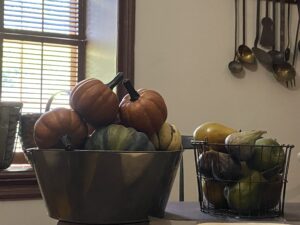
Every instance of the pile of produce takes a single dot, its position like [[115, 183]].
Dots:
[[240, 170], [97, 120]]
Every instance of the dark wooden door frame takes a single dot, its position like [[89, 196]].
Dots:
[[126, 40]]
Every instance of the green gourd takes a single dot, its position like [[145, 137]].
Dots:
[[118, 137], [245, 196]]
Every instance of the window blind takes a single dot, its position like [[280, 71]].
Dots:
[[40, 46], [52, 16], [33, 71]]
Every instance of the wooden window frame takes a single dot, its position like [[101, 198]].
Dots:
[[23, 184]]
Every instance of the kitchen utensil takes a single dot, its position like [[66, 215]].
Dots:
[[297, 33], [275, 54], [287, 51], [235, 66], [267, 39], [284, 72], [261, 55], [296, 41], [245, 54]]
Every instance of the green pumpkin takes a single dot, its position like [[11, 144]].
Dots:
[[118, 137]]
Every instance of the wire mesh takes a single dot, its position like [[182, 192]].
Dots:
[[246, 181]]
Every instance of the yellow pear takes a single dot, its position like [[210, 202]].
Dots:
[[213, 132]]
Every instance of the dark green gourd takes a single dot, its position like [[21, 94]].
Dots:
[[118, 137]]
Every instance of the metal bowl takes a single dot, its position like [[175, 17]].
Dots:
[[104, 187]]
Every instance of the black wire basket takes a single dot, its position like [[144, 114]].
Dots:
[[245, 181]]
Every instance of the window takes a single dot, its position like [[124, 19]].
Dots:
[[41, 42], [42, 50]]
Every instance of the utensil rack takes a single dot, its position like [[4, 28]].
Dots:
[[289, 1]]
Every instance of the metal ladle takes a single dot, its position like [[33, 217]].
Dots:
[[245, 54], [287, 51], [261, 55], [297, 33], [235, 66], [276, 55], [284, 72]]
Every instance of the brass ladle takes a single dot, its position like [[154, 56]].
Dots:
[[284, 72], [245, 54]]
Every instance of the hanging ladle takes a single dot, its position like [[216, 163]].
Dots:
[[287, 51], [284, 72], [293, 81], [245, 54], [276, 55], [297, 33], [267, 38], [235, 66], [261, 55]]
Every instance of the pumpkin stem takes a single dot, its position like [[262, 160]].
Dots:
[[118, 78], [131, 91], [66, 142]]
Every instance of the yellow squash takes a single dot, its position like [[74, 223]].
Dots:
[[167, 138]]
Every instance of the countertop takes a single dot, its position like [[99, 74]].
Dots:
[[190, 211]]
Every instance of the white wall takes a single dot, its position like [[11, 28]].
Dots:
[[182, 51]]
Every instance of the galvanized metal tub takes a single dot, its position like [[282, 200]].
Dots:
[[104, 187]]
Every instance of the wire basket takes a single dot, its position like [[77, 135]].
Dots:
[[231, 184], [9, 118]]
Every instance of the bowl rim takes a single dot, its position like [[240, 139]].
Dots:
[[29, 150]]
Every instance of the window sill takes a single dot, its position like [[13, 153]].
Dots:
[[18, 182]]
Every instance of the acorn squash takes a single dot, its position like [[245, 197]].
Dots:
[[168, 138], [118, 137]]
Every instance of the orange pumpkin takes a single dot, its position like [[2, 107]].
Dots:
[[59, 122], [95, 101], [145, 110]]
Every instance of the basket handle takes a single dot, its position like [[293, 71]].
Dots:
[[48, 105]]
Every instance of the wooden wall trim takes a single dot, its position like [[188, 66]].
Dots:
[[19, 182], [126, 40]]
